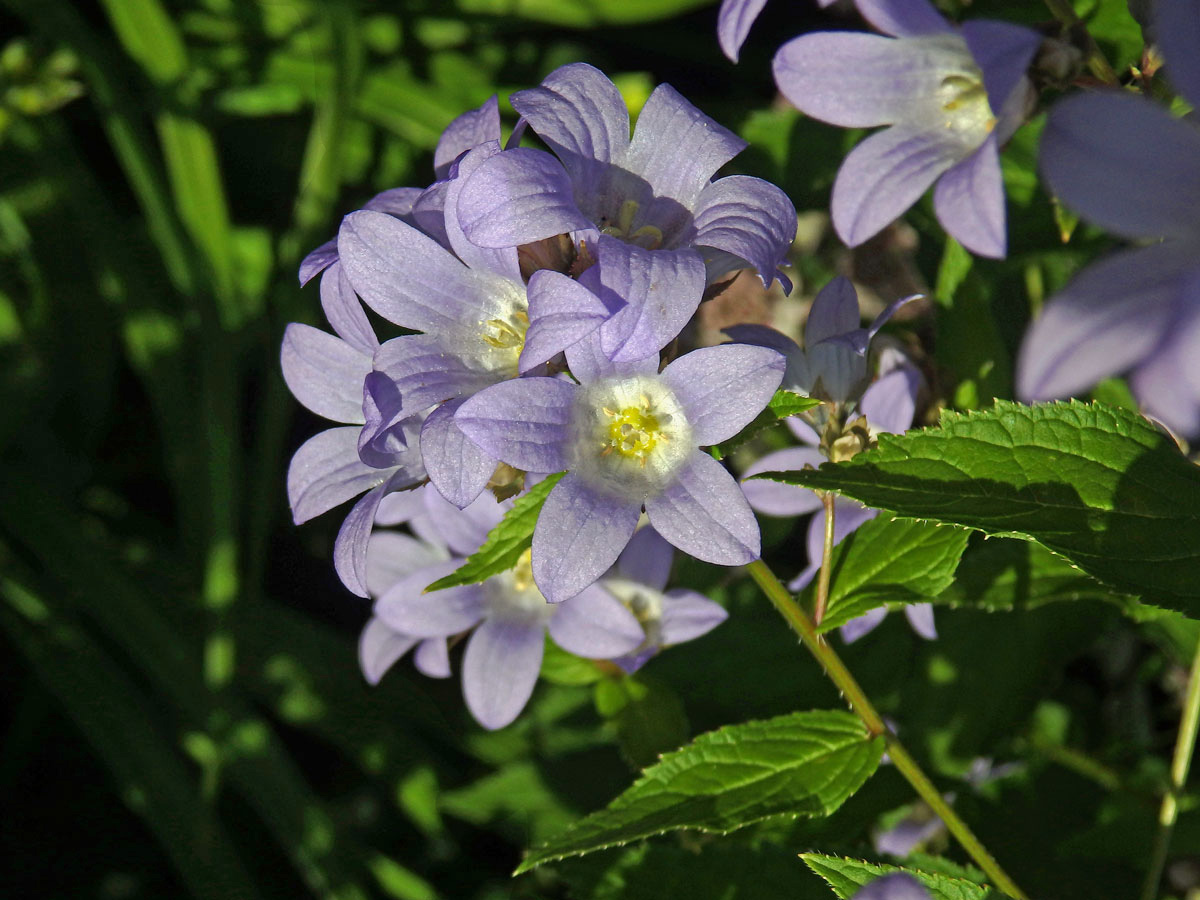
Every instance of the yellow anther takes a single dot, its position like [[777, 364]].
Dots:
[[633, 432]]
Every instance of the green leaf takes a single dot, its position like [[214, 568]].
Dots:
[[782, 405], [146, 31], [1097, 484], [890, 560], [847, 876], [804, 763], [581, 13], [650, 723], [505, 543]]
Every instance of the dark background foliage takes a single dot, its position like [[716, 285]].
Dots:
[[183, 713]]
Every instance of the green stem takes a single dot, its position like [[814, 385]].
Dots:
[[1096, 59], [857, 699], [1185, 744], [827, 553]]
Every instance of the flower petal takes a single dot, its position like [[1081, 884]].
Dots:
[[522, 422], [859, 80], [344, 310], [595, 625], [588, 362], [578, 535], [890, 403], [1167, 384], [733, 24], [904, 17], [392, 556], [723, 388], [1123, 163], [897, 885], [317, 261], [704, 513], [501, 261], [862, 625], [500, 668], [969, 202], [883, 176], [774, 498], [424, 372], [350, 547], [456, 466], [797, 376], [561, 313], [1003, 52], [1177, 30], [407, 608], [518, 197], [469, 130], [688, 615], [326, 472], [398, 202], [920, 617], [432, 658], [463, 530], [676, 148], [408, 278], [646, 559], [581, 116], [324, 372], [661, 290], [834, 312], [378, 649], [750, 218], [1107, 319]]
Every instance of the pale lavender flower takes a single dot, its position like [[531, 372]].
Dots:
[[628, 437], [639, 581], [888, 406], [734, 20], [832, 365], [654, 190], [950, 96], [372, 453], [507, 618], [896, 886], [1124, 163]]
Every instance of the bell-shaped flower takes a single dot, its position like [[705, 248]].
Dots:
[[371, 452], [668, 617], [832, 365], [1124, 163], [628, 437], [888, 406], [507, 618], [950, 97], [654, 190]]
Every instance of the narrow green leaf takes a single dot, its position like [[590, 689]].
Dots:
[[505, 543], [899, 560], [782, 405], [1097, 484], [847, 876], [191, 157], [581, 13], [149, 36], [804, 763]]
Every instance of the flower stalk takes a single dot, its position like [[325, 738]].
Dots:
[[1185, 745], [858, 701]]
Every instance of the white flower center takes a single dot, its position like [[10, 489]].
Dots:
[[648, 236], [498, 338], [512, 595], [644, 602], [629, 436], [955, 99]]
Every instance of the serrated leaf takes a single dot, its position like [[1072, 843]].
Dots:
[[782, 405], [847, 876], [886, 559], [805, 763], [505, 543], [1097, 484]]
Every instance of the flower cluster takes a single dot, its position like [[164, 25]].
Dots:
[[534, 294]]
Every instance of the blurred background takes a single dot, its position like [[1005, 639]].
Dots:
[[183, 713]]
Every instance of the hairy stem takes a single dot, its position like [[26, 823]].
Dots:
[[800, 622], [826, 555], [1185, 744]]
